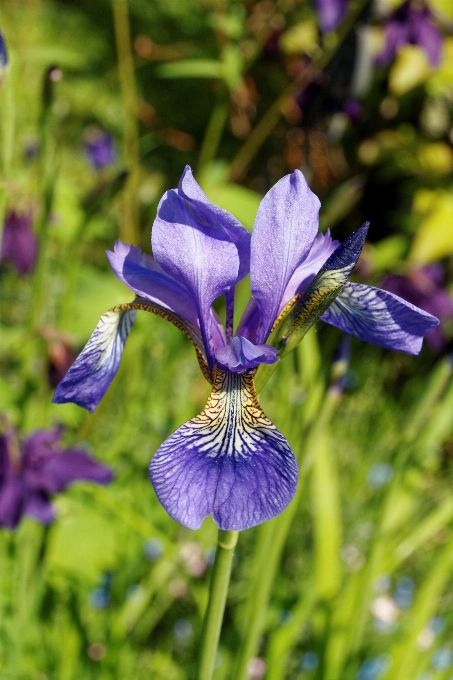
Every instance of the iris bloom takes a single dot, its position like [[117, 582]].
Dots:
[[3, 59], [100, 148], [330, 13], [19, 242], [411, 24], [230, 460], [422, 286], [36, 467]]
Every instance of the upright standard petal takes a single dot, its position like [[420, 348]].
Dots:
[[323, 247], [230, 461], [201, 257], [285, 227], [211, 215], [90, 375], [142, 274], [380, 317]]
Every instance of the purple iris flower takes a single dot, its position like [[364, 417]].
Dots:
[[19, 242], [100, 148], [411, 24], [36, 467], [330, 13], [230, 460], [423, 287]]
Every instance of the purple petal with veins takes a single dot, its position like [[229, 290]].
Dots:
[[322, 248], [283, 234], [208, 214], [230, 461], [199, 256], [380, 317], [142, 274], [90, 375]]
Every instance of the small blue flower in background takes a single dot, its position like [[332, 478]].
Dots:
[[100, 147], [230, 460], [183, 630], [19, 243], [154, 549], [374, 668], [379, 474], [34, 468], [442, 659], [309, 661], [404, 592], [412, 23]]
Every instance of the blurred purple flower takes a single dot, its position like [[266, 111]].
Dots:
[[3, 59], [19, 242], [36, 467], [330, 13], [100, 148], [422, 287], [411, 24]]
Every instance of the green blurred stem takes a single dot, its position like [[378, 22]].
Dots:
[[214, 130], [270, 119], [271, 543], [48, 173], [70, 272], [129, 228], [7, 127], [216, 606]]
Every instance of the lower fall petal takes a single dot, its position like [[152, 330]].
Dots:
[[229, 461]]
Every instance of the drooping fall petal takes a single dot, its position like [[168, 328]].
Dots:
[[380, 317], [230, 461]]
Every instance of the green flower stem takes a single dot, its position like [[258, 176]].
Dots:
[[216, 125], [271, 544], [48, 170], [261, 132], [216, 606], [129, 228]]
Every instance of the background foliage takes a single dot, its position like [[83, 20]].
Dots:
[[358, 569]]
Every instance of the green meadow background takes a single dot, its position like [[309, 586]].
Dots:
[[354, 580]]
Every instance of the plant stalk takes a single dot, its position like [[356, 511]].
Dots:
[[129, 228], [216, 606]]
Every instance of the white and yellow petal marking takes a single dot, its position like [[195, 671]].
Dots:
[[90, 375], [229, 461], [189, 330], [94, 369]]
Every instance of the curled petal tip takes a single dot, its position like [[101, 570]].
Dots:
[[349, 251], [242, 355]]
